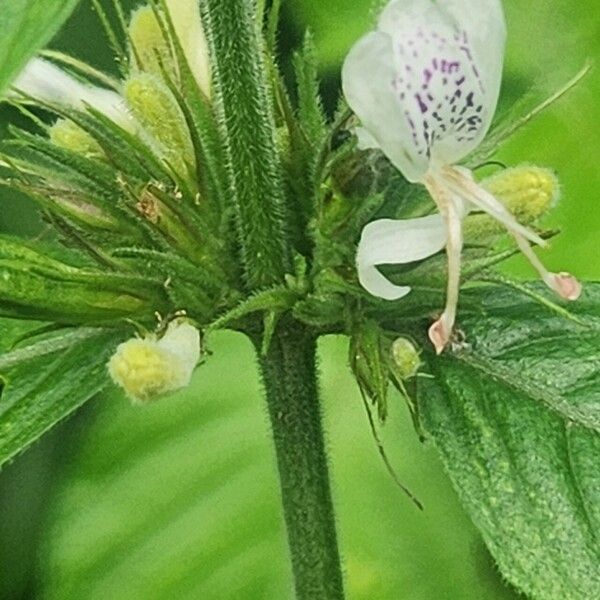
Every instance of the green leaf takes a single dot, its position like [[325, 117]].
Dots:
[[26, 26], [515, 417], [310, 108], [49, 379]]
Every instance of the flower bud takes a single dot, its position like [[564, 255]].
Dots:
[[68, 135], [86, 213], [157, 110], [188, 25], [405, 357], [154, 366], [150, 50], [527, 191], [153, 52]]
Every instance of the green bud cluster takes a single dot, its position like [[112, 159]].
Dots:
[[126, 194]]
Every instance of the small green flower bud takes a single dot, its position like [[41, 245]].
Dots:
[[406, 358], [68, 135], [157, 110], [152, 367], [528, 192], [86, 213]]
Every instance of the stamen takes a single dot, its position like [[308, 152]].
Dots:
[[451, 208], [459, 180], [564, 284]]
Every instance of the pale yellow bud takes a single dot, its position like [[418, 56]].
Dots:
[[152, 367], [406, 358], [152, 52], [68, 135], [528, 192], [188, 25]]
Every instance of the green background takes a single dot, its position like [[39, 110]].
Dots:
[[179, 499]]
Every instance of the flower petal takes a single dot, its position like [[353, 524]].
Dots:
[[365, 141], [44, 81], [442, 66], [367, 78], [390, 241], [182, 340]]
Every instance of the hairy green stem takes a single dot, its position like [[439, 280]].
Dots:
[[290, 379], [246, 117]]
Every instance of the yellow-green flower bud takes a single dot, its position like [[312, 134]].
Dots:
[[149, 49], [188, 25], [152, 367], [405, 357], [156, 109], [528, 192], [68, 135]]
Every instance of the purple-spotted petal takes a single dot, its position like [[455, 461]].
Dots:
[[367, 78], [44, 81], [395, 242], [443, 64]]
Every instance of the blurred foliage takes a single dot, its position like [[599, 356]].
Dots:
[[180, 499]]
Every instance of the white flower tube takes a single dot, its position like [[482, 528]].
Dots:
[[44, 81], [425, 86]]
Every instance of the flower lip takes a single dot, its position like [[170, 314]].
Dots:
[[389, 241]]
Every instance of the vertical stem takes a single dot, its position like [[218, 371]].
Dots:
[[243, 105], [290, 379]]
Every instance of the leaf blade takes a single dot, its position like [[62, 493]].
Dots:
[[526, 472], [39, 390]]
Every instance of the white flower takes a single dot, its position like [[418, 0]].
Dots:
[[152, 367], [425, 86]]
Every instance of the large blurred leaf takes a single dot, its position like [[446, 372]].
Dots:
[[26, 26], [515, 417], [179, 500], [47, 380]]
